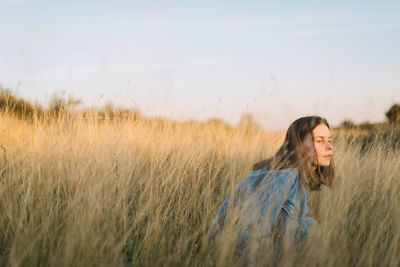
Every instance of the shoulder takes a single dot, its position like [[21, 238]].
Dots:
[[287, 176]]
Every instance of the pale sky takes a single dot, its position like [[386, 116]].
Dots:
[[279, 60]]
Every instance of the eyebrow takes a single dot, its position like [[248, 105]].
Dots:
[[322, 136]]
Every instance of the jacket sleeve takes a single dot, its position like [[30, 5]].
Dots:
[[263, 197], [291, 221], [276, 195], [219, 219], [247, 184]]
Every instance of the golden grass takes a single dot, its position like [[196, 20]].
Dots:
[[81, 192]]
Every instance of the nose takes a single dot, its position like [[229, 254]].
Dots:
[[329, 146]]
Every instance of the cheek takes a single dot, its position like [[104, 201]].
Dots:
[[318, 149]]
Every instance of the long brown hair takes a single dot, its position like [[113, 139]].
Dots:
[[292, 155]]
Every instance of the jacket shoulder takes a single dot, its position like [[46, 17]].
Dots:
[[285, 176], [267, 180]]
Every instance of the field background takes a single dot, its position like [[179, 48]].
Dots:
[[142, 192]]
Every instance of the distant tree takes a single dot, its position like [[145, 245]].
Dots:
[[247, 122], [348, 124], [367, 126], [62, 105], [111, 112], [393, 115], [90, 112], [217, 122], [16, 106]]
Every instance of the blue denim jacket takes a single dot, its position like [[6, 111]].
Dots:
[[268, 199]]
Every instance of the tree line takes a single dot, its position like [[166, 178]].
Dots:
[[392, 117], [59, 106], [68, 106]]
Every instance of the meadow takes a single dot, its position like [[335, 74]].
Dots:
[[142, 192]]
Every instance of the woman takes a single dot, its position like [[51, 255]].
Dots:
[[271, 202]]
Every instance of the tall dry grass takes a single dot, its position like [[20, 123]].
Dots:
[[84, 192]]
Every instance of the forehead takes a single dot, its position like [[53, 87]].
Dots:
[[321, 130]]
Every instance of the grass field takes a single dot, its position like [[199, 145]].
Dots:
[[84, 192]]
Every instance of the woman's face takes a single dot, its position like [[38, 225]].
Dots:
[[319, 149]]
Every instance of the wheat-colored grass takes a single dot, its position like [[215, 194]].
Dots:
[[85, 192]]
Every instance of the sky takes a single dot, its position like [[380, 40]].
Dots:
[[278, 60]]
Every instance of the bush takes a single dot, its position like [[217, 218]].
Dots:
[[18, 107], [367, 126], [388, 140], [393, 115], [348, 125]]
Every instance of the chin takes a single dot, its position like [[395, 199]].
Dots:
[[324, 164]]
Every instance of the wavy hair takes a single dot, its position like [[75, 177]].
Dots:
[[292, 155]]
